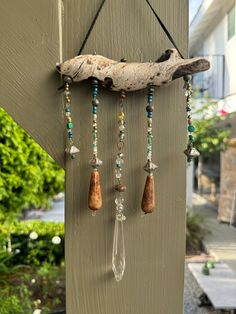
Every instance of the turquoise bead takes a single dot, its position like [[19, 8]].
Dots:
[[67, 109], [191, 128], [69, 125]]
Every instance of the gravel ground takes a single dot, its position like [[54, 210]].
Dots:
[[191, 295]]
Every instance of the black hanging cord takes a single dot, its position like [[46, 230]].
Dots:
[[91, 28], [165, 29], [154, 12]]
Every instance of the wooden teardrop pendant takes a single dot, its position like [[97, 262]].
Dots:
[[148, 201], [95, 193]]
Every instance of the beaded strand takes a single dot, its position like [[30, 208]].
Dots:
[[118, 250], [71, 149], [148, 200], [120, 188], [191, 152], [95, 194]]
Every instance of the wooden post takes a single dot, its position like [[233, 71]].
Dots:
[[31, 44]]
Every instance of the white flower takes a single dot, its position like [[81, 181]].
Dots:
[[37, 311], [56, 240], [33, 236], [33, 280]]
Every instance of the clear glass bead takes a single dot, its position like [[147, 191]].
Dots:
[[67, 93], [120, 208], [119, 200], [118, 252], [119, 161], [121, 127], [187, 93], [118, 173]]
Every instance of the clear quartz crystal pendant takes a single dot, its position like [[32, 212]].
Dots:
[[118, 252]]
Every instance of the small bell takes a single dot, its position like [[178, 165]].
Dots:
[[191, 152]]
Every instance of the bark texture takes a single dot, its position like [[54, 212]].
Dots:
[[133, 76]]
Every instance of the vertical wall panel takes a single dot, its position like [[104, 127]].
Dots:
[[153, 280], [29, 32]]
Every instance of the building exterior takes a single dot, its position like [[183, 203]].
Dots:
[[213, 34]]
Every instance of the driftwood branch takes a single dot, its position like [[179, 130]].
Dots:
[[133, 76]]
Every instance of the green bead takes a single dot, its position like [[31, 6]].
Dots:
[[191, 128], [191, 138], [69, 125], [94, 136]]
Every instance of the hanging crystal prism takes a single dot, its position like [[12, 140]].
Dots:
[[118, 252]]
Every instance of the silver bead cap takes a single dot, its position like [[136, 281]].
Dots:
[[150, 167], [72, 150], [191, 152], [95, 162]]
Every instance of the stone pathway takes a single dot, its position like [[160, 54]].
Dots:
[[191, 295], [220, 241]]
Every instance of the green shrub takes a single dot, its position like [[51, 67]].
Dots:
[[15, 301], [194, 231], [34, 243], [28, 175]]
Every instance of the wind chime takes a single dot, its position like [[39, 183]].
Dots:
[[118, 76]]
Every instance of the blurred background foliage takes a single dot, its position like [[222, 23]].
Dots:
[[211, 132], [31, 252], [28, 175]]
